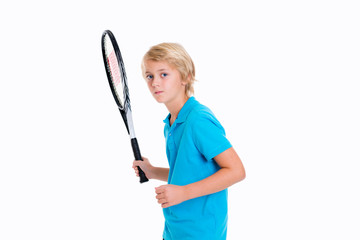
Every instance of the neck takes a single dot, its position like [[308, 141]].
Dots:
[[174, 107]]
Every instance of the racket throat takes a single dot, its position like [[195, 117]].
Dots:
[[130, 124]]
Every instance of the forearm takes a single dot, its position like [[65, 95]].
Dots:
[[159, 173], [231, 171], [219, 181]]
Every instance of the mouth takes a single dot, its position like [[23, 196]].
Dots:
[[158, 92]]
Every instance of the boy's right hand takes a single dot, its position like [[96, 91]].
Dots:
[[144, 165]]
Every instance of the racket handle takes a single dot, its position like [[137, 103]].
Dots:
[[137, 154]]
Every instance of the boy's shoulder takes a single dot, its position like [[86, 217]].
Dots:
[[200, 112]]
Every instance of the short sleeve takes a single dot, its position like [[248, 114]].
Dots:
[[209, 136]]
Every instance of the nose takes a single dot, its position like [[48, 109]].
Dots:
[[155, 82]]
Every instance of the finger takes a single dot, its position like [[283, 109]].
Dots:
[[162, 201], [134, 165], [136, 171], [160, 189], [137, 163], [165, 205], [160, 195]]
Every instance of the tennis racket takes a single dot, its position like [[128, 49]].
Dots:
[[115, 71]]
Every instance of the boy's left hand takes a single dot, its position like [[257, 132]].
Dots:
[[170, 195]]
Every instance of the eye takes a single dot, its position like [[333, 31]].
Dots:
[[149, 77], [164, 74]]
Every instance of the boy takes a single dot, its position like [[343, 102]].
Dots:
[[202, 162]]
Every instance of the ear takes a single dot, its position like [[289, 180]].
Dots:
[[185, 82]]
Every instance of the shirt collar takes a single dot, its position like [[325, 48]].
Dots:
[[184, 112]]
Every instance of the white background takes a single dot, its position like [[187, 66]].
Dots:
[[281, 76]]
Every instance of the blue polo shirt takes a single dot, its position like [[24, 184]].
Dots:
[[192, 142]]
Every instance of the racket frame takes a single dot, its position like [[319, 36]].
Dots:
[[124, 109]]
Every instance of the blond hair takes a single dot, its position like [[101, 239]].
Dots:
[[175, 55]]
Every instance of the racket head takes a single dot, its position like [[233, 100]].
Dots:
[[115, 70]]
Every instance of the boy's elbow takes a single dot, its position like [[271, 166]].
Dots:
[[240, 174]]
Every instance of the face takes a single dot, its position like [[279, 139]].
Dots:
[[164, 82]]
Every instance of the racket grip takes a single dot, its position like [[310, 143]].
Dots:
[[137, 155]]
